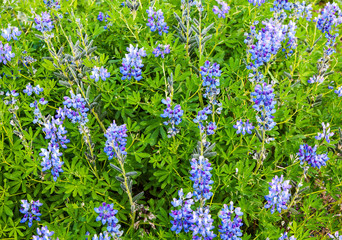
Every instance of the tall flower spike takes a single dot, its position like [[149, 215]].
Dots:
[[107, 216], [43, 23], [43, 234], [174, 117], [243, 127], [202, 224], [201, 176], [6, 54], [98, 73], [231, 222], [326, 133], [156, 21], [11, 32], [308, 154], [116, 140], [132, 63], [183, 214], [279, 194], [30, 211]]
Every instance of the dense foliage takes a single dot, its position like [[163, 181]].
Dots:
[[176, 119]]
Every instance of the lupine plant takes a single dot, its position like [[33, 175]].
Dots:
[[182, 119]]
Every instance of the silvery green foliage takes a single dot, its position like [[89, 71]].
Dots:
[[132, 4], [190, 31]]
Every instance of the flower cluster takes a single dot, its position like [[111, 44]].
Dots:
[[102, 17], [54, 131], [279, 194], [132, 63], [308, 154], [284, 236], [201, 176], [339, 91], [98, 73], [156, 21], [255, 2], [230, 224], [43, 234], [279, 5], [12, 96], [6, 54], [174, 117], [326, 133], [243, 127], [202, 224], [43, 23], [30, 211], [210, 76], [336, 236], [104, 236], [52, 4], [328, 20], [116, 140], [201, 117], [79, 114], [107, 215], [182, 217], [256, 77], [158, 51], [29, 89], [221, 13], [301, 10], [11, 32], [263, 98], [37, 114]]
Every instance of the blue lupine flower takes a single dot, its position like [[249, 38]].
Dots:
[[102, 17], [255, 2], [11, 95], [107, 216], [339, 91], [98, 73], [316, 79], [201, 117], [183, 215], [52, 4], [37, 114], [336, 236], [116, 140], [221, 13], [28, 89], [243, 127], [30, 211], [256, 77], [6, 54], [43, 234], [79, 114], [104, 236], [37, 89], [202, 224], [230, 224], [279, 5], [264, 103], [308, 154], [210, 75], [301, 10], [54, 131], [211, 127], [174, 117], [159, 52], [43, 23], [11, 32], [326, 133], [284, 236], [279, 194], [132, 63], [201, 176], [156, 21]]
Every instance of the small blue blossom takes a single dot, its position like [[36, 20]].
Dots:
[[107, 216], [156, 21], [43, 23], [221, 13], [316, 79], [52, 4], [11, 97], [132, 63], [43, 234], [11, 32], [256, 2], [202, 224], [28, 89], [37, 113], [243, 127], [105, 236], [98, 73], [158, 51], [336, 236], [174, 117], [30, 211], [201, 118], [339, 91], [284, 236], [230, 224], [183, 214], [279, 194], [102, 17], [302, 10], [326, 133], [6, 54], [210, 75], [308, 154], [75, 109], [116, 140], [279, 5], [201, 176]]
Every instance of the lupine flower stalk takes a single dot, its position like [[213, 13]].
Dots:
[[107, 216], [156, 21], [221, 13], [243, 127], [308, 154], [132, 63], [43, 234], [174, 117], [11, 33], [43, 22], [31, 211], [231, 222], [116, 140], [6, 54]]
